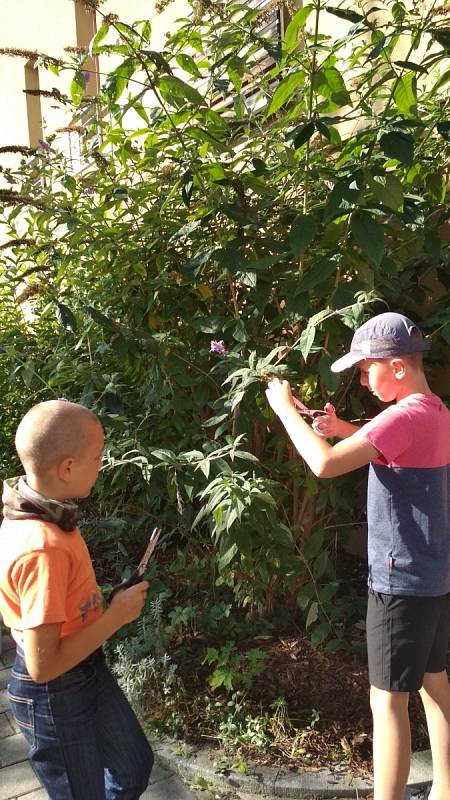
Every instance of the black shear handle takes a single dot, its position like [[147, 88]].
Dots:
[[134, 578]]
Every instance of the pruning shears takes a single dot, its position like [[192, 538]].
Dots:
[[309, 412], [138, 575]]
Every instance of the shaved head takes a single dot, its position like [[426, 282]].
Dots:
[[52, 431]]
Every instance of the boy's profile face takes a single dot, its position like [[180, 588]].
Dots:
[[80, 472], [379, 376]]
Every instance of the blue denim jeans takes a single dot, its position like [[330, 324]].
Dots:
[[85, 740]]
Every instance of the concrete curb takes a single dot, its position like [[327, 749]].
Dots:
[[192, 764]]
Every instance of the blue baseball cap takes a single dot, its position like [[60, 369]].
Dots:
[[384, 336]]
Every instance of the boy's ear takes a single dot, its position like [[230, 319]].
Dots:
[[64, 469], [398, 366]]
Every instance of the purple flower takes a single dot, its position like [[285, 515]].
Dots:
[[219, 348], [86, 75], [88, 190], [44, 146]]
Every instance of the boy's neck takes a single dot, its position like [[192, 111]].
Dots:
[[415, 383], [46, 487]]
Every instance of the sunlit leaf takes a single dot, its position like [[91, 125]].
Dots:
[[285, 90], [171, 86], [296, 24], [405, 94]]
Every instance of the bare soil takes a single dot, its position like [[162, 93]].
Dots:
[[328, 721]]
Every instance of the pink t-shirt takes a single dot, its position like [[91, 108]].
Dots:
[[412, 433], [408, 500]]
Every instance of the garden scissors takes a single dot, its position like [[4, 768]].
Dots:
[[138, 575], [309, 412]]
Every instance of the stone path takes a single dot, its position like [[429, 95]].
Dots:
[[18, 781], [17, 778]]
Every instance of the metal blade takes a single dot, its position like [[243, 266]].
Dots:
[[152, 542]]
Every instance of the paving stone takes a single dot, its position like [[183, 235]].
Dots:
[[4, 677], [4, 704], [12, 722], [7, 658], [17, 780], [163, 790], [159, 774], [6, 729], [41, 794], [8, 643], [13, 749]]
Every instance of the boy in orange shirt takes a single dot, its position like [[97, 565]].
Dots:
[[85, 741]]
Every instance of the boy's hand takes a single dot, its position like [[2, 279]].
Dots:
[[279, 395], [326, 425], [128, 603]]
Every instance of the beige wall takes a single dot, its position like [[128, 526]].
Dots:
[[48, 26]]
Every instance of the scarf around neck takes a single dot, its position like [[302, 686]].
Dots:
[[22, 502]]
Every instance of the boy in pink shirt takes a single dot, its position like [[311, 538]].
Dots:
[[408, 618]]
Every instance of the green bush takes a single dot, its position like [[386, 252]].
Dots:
[[228, 238]]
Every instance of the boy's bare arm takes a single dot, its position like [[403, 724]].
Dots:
[[48, 656], [325, 460]]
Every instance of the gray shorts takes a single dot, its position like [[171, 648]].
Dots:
[[406, 637]]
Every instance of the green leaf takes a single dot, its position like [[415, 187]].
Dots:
[[28, 372], [329, 131], [442, 81], [436, 185], [388, 190], [313, 545], [187, 63], [405, 95], [377, 49], [228, 556], [239, 333], [412, 65], [170, 86], [320, 634], [333, 645], [343, 13], [296, 24], [328, 82], [99, 36], [284, 91], [313, 614], [305, 595], [369, 235], [302, 233], [307, 341], [303, 133], [320, 564], [116, 82], [318, 272], [443, 128], [66, 317], [77, 88], [442, 36], [104, 321], [398, 145]]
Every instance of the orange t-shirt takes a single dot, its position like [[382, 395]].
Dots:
[[46, 576]]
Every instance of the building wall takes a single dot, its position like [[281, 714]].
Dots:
[[49, 26]]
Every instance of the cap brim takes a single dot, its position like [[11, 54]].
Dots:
[[347, 361]]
